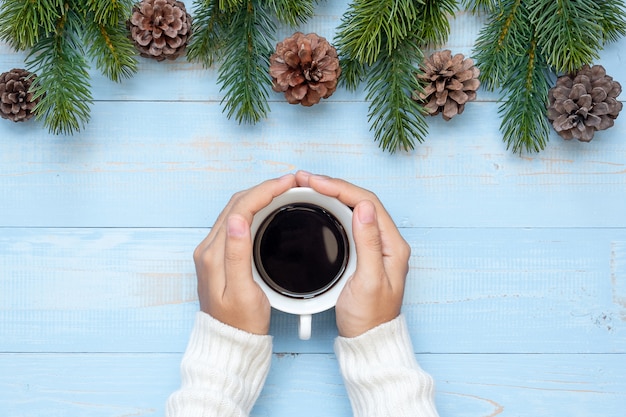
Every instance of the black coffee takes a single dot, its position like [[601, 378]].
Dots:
[[301, 250]]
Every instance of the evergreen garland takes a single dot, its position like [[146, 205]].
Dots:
[[525, 43], [239, 34], [520, 50], [380, 42], [60, 37]]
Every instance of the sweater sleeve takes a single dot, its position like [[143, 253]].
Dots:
[[382, 376], [222, 371]]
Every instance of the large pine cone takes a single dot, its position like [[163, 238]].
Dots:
[[306, 68], [448, 83], [160, 28], [582, 103], [16, 100]]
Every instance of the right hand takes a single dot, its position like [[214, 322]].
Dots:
[[223, 260], [373, 295]]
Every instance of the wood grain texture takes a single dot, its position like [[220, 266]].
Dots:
[[516, 297], [117, 385], [133, 290], [179, 171]]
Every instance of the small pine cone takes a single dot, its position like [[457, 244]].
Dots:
[[306, 68], [582, 103], [160, 28], [448, 83], [16, 100]]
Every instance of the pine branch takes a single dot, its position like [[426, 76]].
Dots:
[[514, 62], [564, 25], [292, 12], [433, 16], [63, 80], [23, 23], [110, 12], [230, 5], [209, 28], [524, 43], [524, 125], [60, 35], [379, 42], [396, 119], [239, 34], [352, 73], [369, 26], [612, 19], [113, 52], [497, 42], [244, 72], [477, 6]]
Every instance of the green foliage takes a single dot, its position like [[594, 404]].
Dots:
[[62, 81], [210, 24], [59, 37], [563, 25], [23, 23], [503, 37], [244, 72], [111, 49], [434, 26], [109, 12], [353, 73], [612, 19], [524, 126], [292, 12], [476, 6], [370, 26], [526, 43], [230, 5], [238, 34], [396, 119], [379, 43]]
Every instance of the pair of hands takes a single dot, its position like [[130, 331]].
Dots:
[[372, 296]]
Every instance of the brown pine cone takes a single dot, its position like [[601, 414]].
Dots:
[[582, 103], [306, 68], [448, 83], [160, 28], [16, 101]]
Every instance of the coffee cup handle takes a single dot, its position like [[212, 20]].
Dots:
[[304, 327]]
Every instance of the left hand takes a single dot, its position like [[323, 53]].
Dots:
[[373, 294]]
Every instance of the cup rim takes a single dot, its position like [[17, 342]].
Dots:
[[343, 214]]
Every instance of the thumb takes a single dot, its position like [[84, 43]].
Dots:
[[237, 253], [369, 246]]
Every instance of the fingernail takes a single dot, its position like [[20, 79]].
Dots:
[[305, 174], [366, 212], [236, 226]]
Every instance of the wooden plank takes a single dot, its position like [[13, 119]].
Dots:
[[618, 277], [94, 385], [498, 291], [135, 171]]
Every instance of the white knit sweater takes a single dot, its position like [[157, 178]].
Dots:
[[224, 369]]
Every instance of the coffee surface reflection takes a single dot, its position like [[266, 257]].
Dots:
[[301, 250]]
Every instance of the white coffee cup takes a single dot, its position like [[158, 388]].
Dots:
[[305, 306]]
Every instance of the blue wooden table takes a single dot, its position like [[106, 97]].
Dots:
[[516, 297]]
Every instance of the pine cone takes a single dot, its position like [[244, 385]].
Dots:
[[449, 82], [584, 102], [160, 28], [306, 68], [16, 101]]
